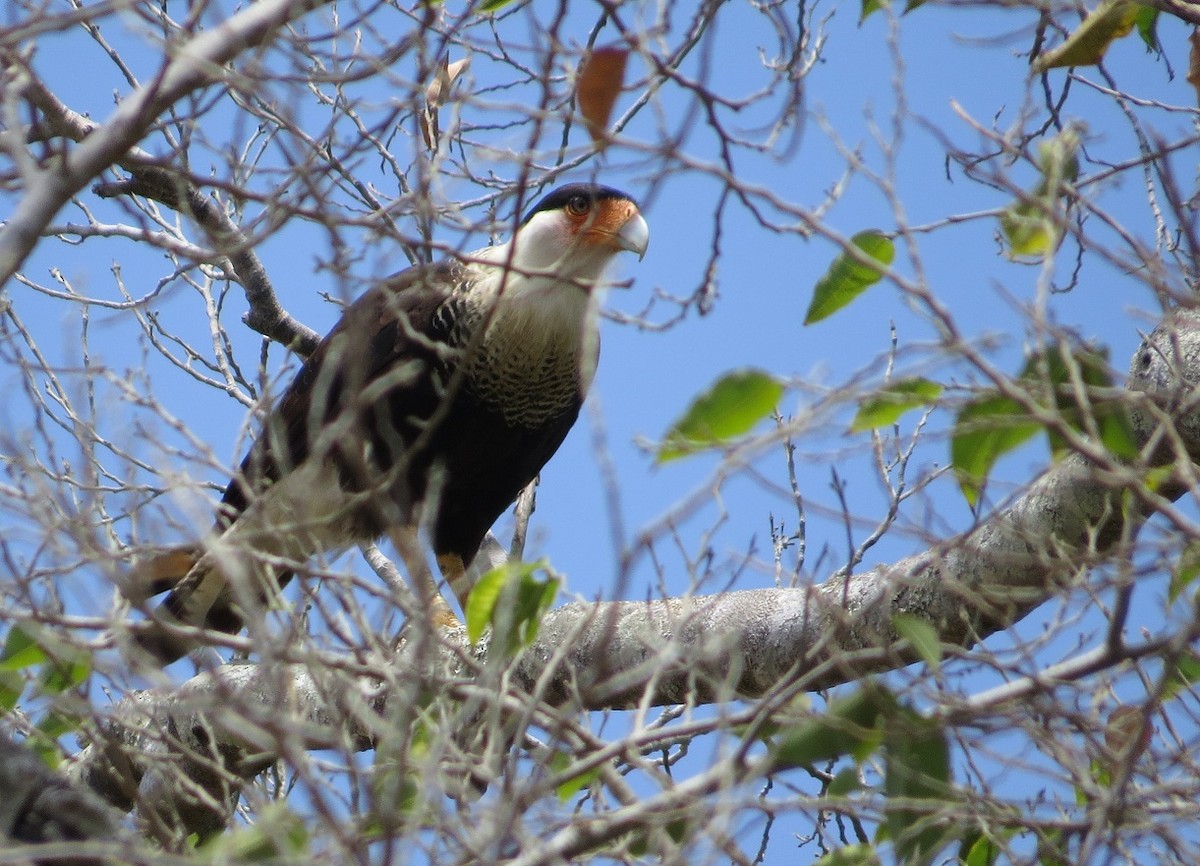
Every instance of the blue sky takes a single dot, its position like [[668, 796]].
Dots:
[[954, 68]]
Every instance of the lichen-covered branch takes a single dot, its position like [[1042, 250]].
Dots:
[[737, 644]]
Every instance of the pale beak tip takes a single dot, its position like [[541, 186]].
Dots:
[[635, 236]]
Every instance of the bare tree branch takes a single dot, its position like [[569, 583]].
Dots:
[[193, 65], [266, 315], [703, 649]]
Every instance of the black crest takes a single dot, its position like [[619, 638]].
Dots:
[[558, 198]]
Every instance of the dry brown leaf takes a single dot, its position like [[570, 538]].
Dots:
[[1127, 730], [435, 95], [600, 82]]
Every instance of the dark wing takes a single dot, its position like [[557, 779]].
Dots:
[[394, 326], [393, 330]]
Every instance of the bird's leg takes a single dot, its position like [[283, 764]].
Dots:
[[455, 572], [408, 545]]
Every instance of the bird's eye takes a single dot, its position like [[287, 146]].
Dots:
[[578, 205]]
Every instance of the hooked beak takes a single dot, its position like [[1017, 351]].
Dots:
[[634, 236]]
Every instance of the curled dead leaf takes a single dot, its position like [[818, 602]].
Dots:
[[1127, 730], [436, 94], [599, 84]]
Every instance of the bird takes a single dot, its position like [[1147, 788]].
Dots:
[[436, 398]]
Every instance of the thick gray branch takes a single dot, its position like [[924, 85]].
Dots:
[[593, 656], [967, 588]]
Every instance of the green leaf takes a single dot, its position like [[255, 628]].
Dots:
[[12, 686], [21, 650], [1186, 571], [846, 781], [1086, 46], [482, 601], [729, 409], [1029, 229], [559, 762], [847, 277], [986, 429], [1147, 26], [1182, 676], [65, 673], [277, 835], [1073, 380], [510, 600], [852, 725], [923, 637], [918, 786], [869, 7], [979, 849], [1058, 158], [43, 739], [885, 407], [490, 6], [1032, 225], [534, 598], [850, 855], [1052, 848]]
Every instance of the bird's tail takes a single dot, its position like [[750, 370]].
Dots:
[[160, 570], [198, 596]]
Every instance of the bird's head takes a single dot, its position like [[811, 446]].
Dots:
[[576, 230]]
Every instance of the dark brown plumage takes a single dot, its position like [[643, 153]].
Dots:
[[439, 395]]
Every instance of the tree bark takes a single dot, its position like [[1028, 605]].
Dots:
[[1081, 511]]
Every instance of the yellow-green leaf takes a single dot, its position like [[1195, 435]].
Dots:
[[1086, 46], [917, 784], [21, 650], [510, 600], [1147, 25], [850, 855], [1058, 158], [560, 762], [986, 429], [1186, 571], [980, 849], [852, 725], [482, 601], [1032, 225], [848, 277], [923, 637], [885, 407], [1030, 229], [869, 7], [730, 408], [845, 781]]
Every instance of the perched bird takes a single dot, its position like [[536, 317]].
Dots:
[[439, 395]]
